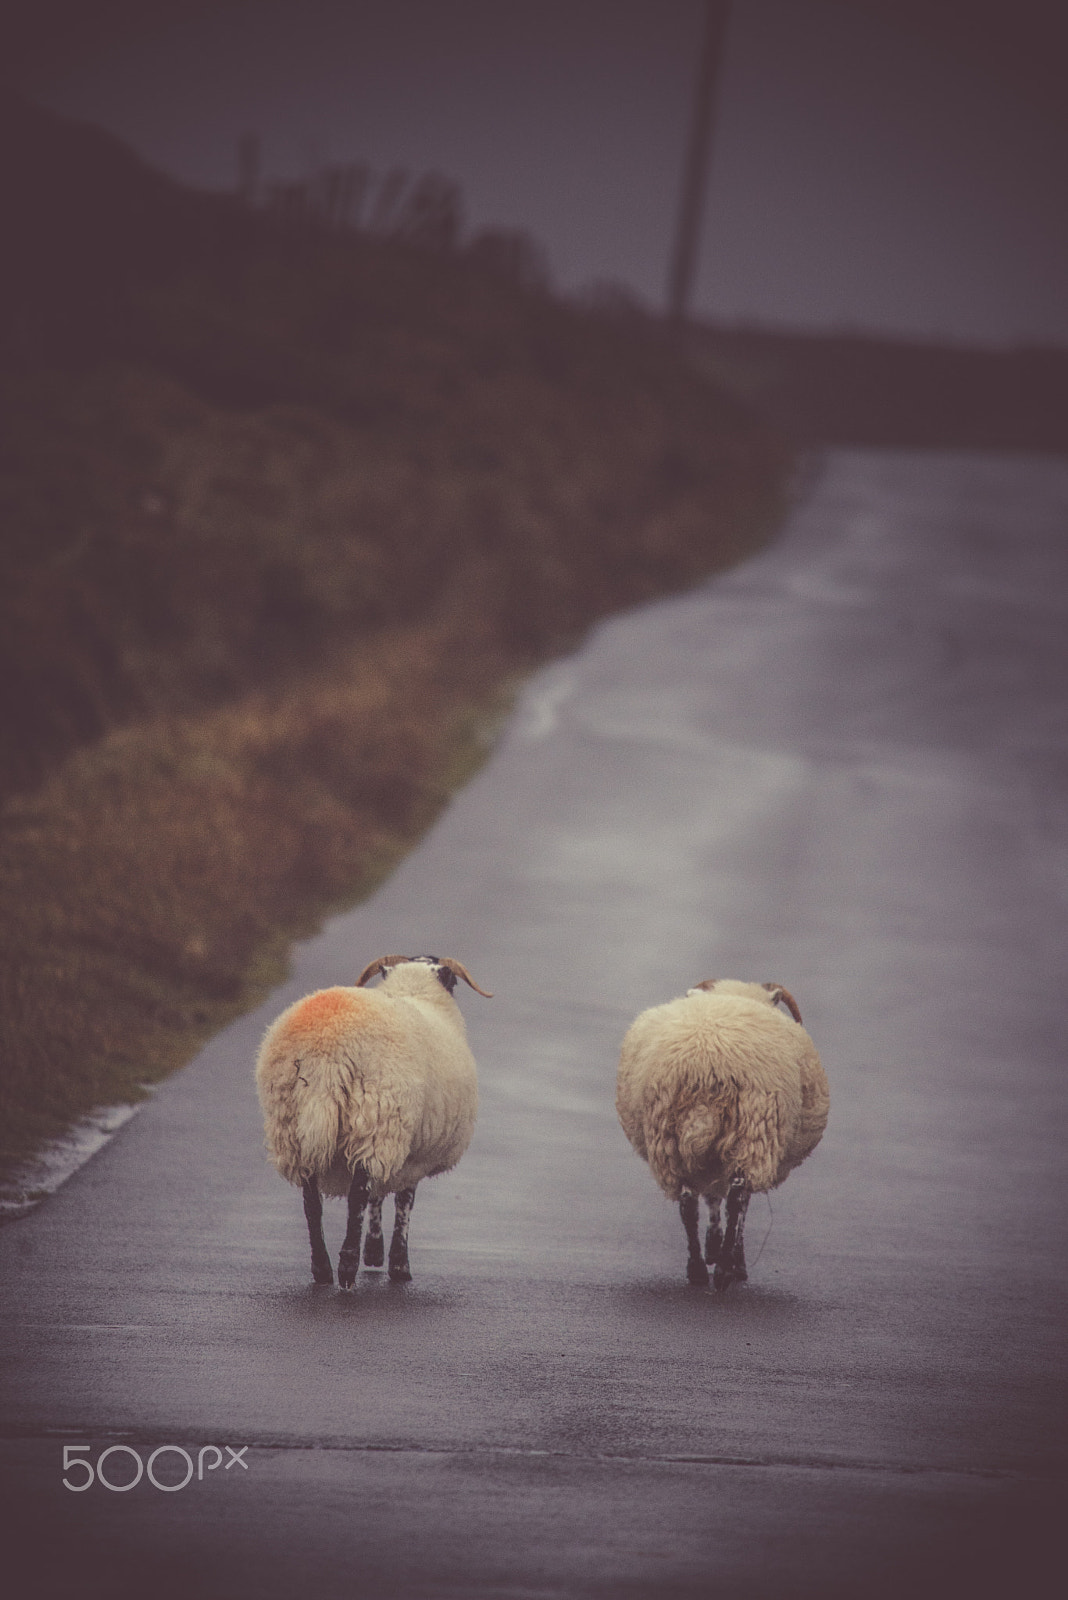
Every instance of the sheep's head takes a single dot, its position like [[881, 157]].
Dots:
[[444, 968], [772, 993]]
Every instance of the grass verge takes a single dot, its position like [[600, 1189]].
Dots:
[[155, 882], [285, 517]]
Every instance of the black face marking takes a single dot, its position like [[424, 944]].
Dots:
[[446, 978]]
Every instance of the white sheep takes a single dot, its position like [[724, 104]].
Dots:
[[366, 1091], [722, 1095]]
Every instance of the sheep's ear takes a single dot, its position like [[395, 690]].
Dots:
[[777, 993], [708, 984]]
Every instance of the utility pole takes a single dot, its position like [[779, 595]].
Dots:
[[695, 169], [248, 168]]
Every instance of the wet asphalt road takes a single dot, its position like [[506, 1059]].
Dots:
[[841, 767]]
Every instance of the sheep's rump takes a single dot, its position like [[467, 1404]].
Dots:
[[347, 1077], [716, 1087]]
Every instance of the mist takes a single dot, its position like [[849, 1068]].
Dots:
[[888, 168]]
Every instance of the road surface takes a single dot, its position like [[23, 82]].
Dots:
[[840, 767]]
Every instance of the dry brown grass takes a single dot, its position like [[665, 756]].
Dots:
[[273, 727], [152, 886], [283, 519]]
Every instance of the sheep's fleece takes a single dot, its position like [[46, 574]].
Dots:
[[381, 1078], [719, 1084]]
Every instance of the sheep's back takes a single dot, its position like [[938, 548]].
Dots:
[[349, 1076], [815, 1109], [713, 1085], [443, 1092]]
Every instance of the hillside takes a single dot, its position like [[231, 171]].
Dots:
[[287, 508]]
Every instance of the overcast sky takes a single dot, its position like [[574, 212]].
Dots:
[[896, 167]]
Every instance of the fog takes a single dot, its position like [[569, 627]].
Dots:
[[892, 168]]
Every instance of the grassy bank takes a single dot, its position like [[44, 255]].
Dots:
[[286, 515], [154, 882]]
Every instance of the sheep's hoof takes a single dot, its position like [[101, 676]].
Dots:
[[696, 1273], [322, 1274], [723, 1277], [348, 1263], [399, 1272], [374, 1251]]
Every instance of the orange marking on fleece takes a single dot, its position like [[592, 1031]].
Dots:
[[319, 1011]]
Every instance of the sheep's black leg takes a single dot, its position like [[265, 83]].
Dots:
[[373, 1249], [731, 1265], [348, 1262], [399, 1270], [322, 1271], [714, 1232], [696, 1271]]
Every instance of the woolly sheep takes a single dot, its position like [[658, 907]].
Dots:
[[366, 1091], [723, 1096]]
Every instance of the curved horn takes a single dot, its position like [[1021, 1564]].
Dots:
[[786, 997], [378, 968], [461, 972]]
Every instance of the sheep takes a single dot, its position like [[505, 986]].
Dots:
[[366, 1091], [723, 1096]]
